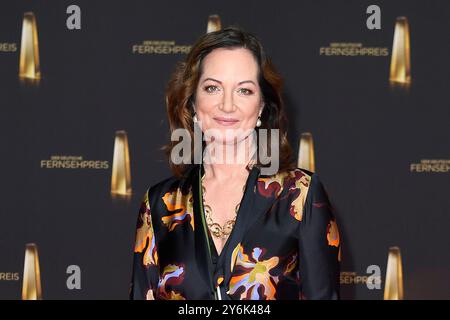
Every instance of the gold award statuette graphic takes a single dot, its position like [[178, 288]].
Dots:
[[29, 66], [31, 287], [393, 287], [121, 177], [306, 152], [214, 23], [400, 72]]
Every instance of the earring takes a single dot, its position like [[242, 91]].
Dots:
[[258, 122], [195, 117]]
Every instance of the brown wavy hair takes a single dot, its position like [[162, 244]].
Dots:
[[181, 88]]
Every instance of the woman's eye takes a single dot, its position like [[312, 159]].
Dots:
[[245, 91], [211, 89]]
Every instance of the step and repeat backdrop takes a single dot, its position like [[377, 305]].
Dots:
[[83, 118]]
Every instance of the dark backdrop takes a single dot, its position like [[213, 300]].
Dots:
[[367, 134]]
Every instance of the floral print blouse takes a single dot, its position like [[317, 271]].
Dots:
[[284, 245]]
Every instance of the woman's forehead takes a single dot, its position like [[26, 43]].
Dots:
[[229, 63]]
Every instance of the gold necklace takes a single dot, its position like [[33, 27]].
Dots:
[[216, 229]]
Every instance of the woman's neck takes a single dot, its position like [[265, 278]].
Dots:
[[234, 165]]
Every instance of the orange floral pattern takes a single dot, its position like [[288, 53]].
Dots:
[[181, 207], [172, 274], [333, 234], [255, 279], [296, 181], [300, 189], [145, 238]]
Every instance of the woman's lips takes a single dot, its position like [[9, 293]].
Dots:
[[225, 121]]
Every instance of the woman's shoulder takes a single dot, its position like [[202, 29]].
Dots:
[[295, 181], [309, 182], [291, 178], [169, 183], [306, 191], [303, 176], [293, 171]]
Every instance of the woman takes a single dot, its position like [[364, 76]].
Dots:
[[233, 229]]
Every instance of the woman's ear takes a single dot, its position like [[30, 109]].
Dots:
[[261, 109]]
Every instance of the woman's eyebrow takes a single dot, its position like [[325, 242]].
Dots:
[[241, 82]]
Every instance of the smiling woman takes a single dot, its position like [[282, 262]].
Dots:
[[227, 80], [218, 230], [229, 102]]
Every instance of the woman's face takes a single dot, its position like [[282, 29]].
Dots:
[[228, 97]]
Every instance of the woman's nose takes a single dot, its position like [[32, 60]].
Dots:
[[227, 102]]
